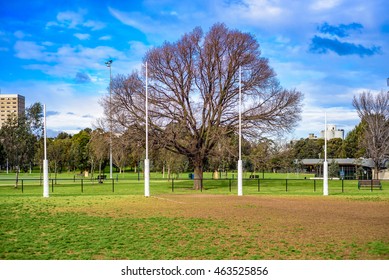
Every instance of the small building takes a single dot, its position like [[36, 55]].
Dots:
[[349, 168]]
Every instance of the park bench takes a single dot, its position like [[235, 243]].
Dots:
[[101, 178], [369, 184], [254, 177]]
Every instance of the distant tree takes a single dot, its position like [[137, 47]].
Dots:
[[98, 147], [260, 154], [19, 135], [3, 155], [333, 169], [335, 148], [308, 148], [121, 150], [353, 143], [79, 151], [193, 94], [374, 111]]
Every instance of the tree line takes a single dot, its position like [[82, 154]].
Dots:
[[88, 150]]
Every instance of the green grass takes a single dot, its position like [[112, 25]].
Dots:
[[83, 221], [128, 183], [95, 227]]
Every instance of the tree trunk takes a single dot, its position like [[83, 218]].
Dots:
[[17, 177], [198, 177], [376, 172]]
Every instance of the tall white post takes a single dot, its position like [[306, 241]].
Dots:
[[325, 163], [240, 169], [45, 161], [147, 162]]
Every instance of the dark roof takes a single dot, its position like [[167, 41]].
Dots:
[[341, 161]]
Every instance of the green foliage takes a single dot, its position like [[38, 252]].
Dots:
[[352, 144], [308, 148], [19, 136], [333, 169]]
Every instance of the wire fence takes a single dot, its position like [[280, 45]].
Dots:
[[76, 185]]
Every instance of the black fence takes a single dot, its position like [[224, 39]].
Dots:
[[252, 186]]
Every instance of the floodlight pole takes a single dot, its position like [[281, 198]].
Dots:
[[240, 171], [147, 162], [108, 63], [325, 163], [45, 161]]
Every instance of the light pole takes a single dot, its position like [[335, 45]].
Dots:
[[325, 163], [147, 162], [45, 162], [108, 63], [240, 171]]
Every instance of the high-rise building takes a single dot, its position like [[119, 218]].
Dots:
[[11, 104], [333, 132]]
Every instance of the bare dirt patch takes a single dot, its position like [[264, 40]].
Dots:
[[271, 227]]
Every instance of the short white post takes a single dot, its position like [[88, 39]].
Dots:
[[240, 176], [325, 163], [147, 177], [45, 161]]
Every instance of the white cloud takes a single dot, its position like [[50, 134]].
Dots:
[[75, 20], [71, 19], [324, 4], [20, 34], [66, 60], [105, 38], [313, 120], [30, 50], [94, 25], [135, 19], [82, 36]]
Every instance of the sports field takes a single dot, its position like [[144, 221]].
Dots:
[[185, 224]]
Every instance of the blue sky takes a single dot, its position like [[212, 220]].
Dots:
[[54, 51]]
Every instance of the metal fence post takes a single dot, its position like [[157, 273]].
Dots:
[[52, 184], [113, 185], [314, 185], [286, 185], [259, 185], [82, 185], [342, 185], [22, 186], [229, 182], [172, 184]]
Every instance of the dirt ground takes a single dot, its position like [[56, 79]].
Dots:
[[283, 227]]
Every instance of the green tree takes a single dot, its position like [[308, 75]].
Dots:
[[335, 148], [79, 153], [19, 136], [98, 148], [308, 148], [352, 145], [333, 169]]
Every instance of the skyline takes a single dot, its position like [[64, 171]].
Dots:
[[55, 53]]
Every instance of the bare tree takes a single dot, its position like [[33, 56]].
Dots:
[[374, 111], [98, 147], [194, 91]]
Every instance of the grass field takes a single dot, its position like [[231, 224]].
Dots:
[[101, 223]]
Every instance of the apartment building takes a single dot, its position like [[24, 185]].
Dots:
[[11, 104]]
